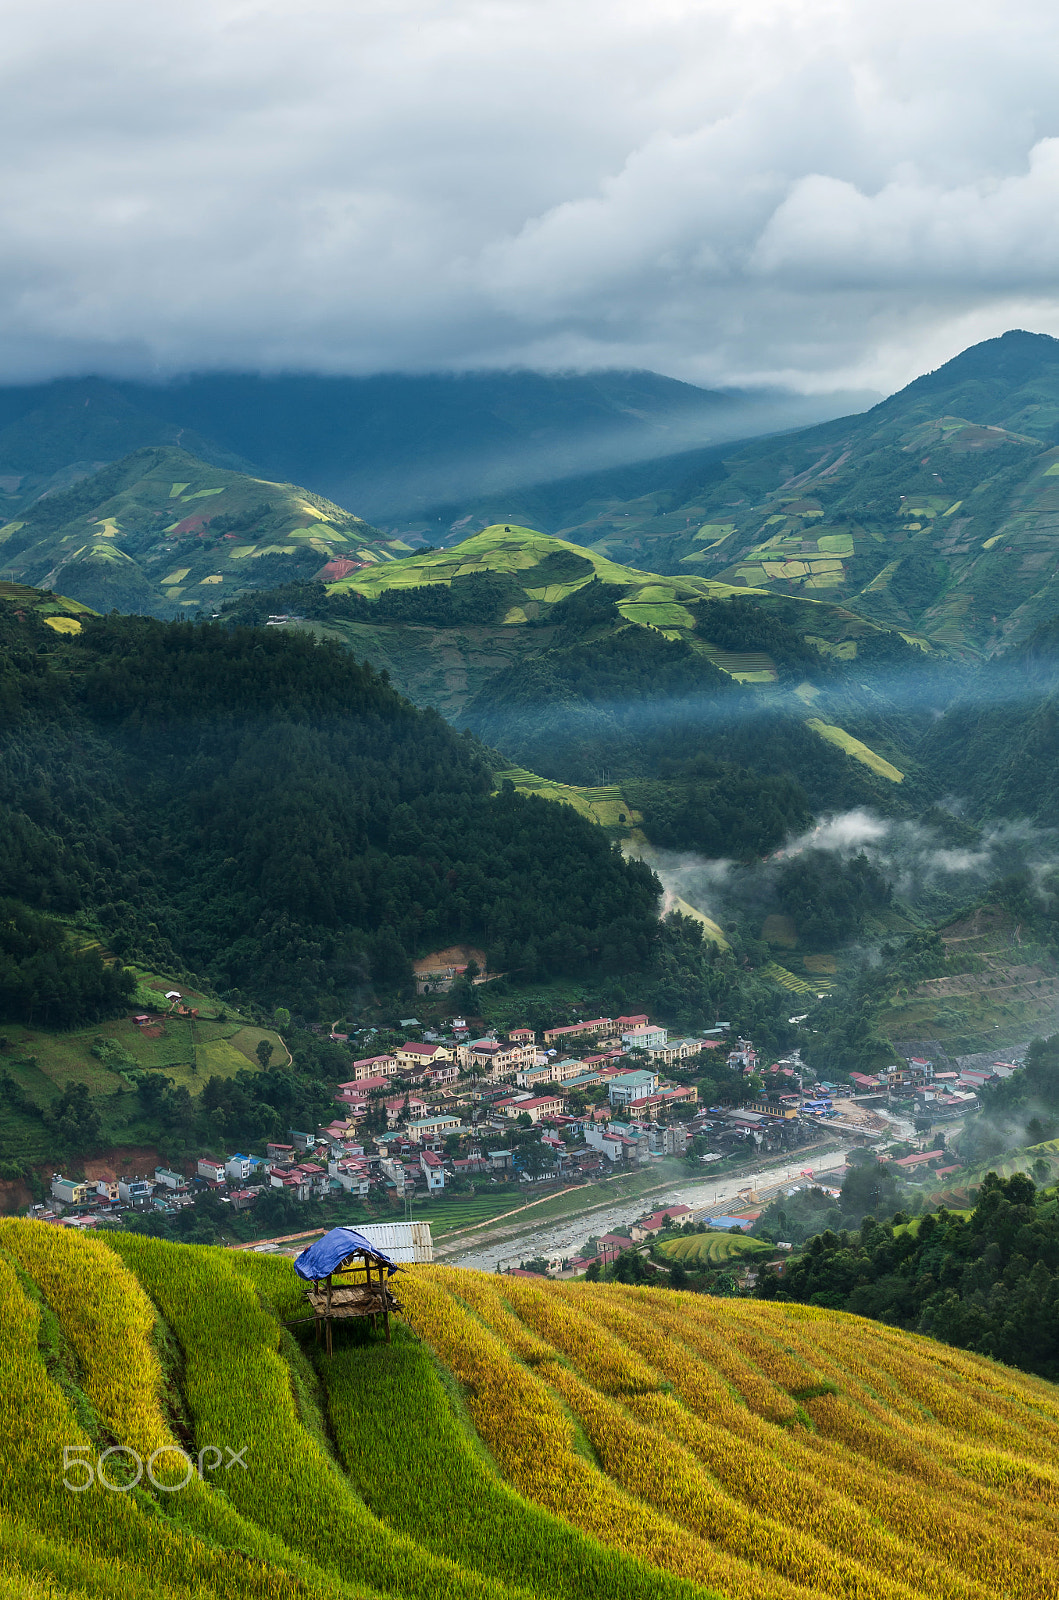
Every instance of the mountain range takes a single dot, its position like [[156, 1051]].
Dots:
[[393, 446], [936, 511]]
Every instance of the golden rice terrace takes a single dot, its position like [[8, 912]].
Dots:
[[517, 1439]]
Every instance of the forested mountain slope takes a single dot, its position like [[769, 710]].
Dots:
[[566, 1441], [163, 533], [269, 812]]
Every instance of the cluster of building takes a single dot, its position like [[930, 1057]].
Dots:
[[594, 1094], [447, 1106]]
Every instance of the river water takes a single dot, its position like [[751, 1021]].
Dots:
[[561, 1237]]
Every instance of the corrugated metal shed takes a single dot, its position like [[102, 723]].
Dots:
[[405, 1242]]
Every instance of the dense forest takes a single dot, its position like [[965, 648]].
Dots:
[[270, 814], [987, 1282], [998, 743], [644, 707], [45, 978]]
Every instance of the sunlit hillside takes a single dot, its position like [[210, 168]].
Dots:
[[547, 570], [517, 1437]]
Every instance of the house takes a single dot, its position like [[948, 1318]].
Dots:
[[644, 1037], [174, 1181], [671, 1140], [394, 1172], [596, 1027], [536, 1109], [358, 1089], [563, 1071], [107, 1189], [658, 1220], [583, 1080], [301, 1141], [924, 1159], [623, 1024], [212, 1171], [530, 1077], [521, 1036], [71, 1191], [291, 1181], [433, 1170], [374, 1067], [242, 1199], [401, 1103], [613, 1244], [491, 1059], [609, 1144], [238, 1168], [275, 1152], [135, 1191], [352, 1174], [629, 1086], [421, 1055], [673, 1052], [500, 1160], [354, 1104], [432, 1127], [442, 1072]]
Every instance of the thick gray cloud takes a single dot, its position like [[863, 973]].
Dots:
[[816, 192]]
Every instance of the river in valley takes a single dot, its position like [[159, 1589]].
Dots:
[[501, 1246]]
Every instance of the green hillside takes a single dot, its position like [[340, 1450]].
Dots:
[[565, 1441], [935, 512], [541, 570], [164, 533], [587, 672]]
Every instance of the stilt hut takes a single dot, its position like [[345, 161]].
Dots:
[[362, 1289]]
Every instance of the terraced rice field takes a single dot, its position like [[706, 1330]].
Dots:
[[519, 1438], [713, 1249]]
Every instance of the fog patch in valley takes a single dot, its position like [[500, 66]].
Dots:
[[928, 868]]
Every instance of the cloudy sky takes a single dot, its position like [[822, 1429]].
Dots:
[[823, 193]]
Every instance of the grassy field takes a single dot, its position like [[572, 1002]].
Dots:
[[606, 805], [186, 1050], [713, 1249], [517, 1439], [855, 748], [569, 1203]]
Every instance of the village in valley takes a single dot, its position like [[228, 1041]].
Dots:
[[444, 1115]]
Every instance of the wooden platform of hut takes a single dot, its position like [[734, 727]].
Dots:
[[362, 1292]]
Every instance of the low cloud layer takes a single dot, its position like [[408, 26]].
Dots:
[[925, 869], [812, 192]]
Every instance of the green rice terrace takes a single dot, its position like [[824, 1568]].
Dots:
[[995, 976], [714, 1249], [171, 1429]]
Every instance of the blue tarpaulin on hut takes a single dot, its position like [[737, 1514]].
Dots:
[[328, 1253]]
